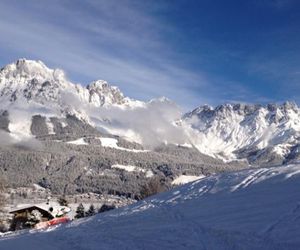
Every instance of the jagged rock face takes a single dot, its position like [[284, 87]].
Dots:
[[31, 80], [101, 93], [256, 132], [35, 82]]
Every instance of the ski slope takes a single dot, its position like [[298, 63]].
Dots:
[[250, 209]]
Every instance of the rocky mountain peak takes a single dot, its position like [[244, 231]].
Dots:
[[230, 129], [24, 69], [103, 94], [290, 105], [98, 85], [33, 81], [245, 109]]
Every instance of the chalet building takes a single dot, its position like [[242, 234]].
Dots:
[[38, 216]]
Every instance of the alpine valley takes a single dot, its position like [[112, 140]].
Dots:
[[72, 139], [59, 138]]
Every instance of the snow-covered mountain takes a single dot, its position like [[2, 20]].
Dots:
[[29, 88], [250, 209], [267, 134], [35, 82], [93, 135], [80, 139], [259, 134]]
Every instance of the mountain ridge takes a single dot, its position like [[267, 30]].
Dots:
[[34, 81], [233, 129], [267, 134]]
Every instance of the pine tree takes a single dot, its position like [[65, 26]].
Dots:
[[80, 211], [91, 211], [105, 208]]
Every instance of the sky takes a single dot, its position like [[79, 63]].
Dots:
[[193, 52]]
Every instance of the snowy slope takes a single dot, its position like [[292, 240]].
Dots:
[[184, 179], [245, 131], [250, 209]]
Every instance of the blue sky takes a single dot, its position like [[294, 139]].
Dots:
[[193, 52]]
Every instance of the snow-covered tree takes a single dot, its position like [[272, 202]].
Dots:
[[105, 208]]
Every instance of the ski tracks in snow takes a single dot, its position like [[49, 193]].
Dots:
[[250, 179]]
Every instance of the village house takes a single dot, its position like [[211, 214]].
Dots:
[[38, 216]]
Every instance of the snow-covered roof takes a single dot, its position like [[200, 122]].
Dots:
[[43, 210], [56, 210]]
